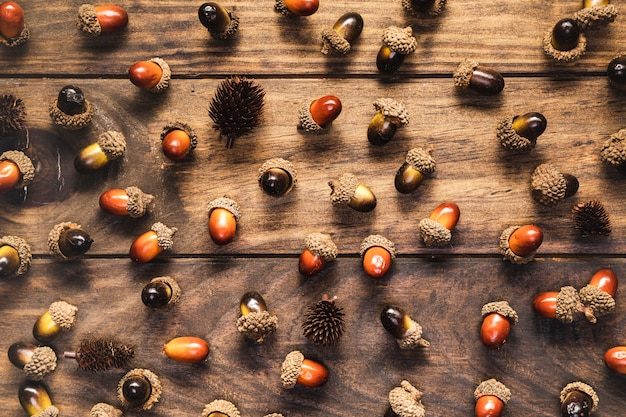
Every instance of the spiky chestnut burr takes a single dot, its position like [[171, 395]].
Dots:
[[591, 219], [101, 353], [12, 114], [324, 322]]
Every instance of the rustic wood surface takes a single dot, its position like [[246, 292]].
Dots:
[[443, 289]]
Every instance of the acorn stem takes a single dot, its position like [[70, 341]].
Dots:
[[68, 354]]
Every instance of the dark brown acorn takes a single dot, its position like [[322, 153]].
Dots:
[[616, 71], [35, 399], [345, 30], [35, 361], [74, 242], [483, 80], [277, 177], [324, 322], [156, 294], [101, 353], [565, 34], [591, 218], [578, 400], [12, 114], [530, 125], [397, 43], [139, 389], [219, 21]]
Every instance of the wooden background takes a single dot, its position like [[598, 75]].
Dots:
[[443, 289]]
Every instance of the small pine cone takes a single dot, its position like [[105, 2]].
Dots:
[[323, 322], [596, 301], [591, 218], [99, 354], [12, 114]]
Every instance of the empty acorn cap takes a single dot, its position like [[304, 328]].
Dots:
[[290, 369], [24, 164], [343, 189], [23, 251], [138, 201], [421, 160], [405, 401], [433, 11], [164, 235], [614, 149], [463, 74], [595, 16], [55, 235], [564, 56], [105, 410], [506, 251], [510, 139], [502, 308], [399, 39], [321, 244], [567, 304], [582, 387], [155, 384], [176, 125], [176, 291], [434, 233], [63, 314], [256, 325], [394, 109], [493, 387], [42, 362], [221, 406], [71, 122], [333, 41], [413, 337], [112, 143], [596, 301], [377, 240]]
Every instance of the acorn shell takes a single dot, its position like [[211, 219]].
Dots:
[[595, 16], [18, 40], [112, 143], [405, 401], [71, 122], [24, 164], [434, 10], [176, 125], [51, 411], [510, 139], [413, 337], [221, 406], [257, 325], [564, 56], [308, 123], [155, 384], [334, 42], [597, 302], [343, 189], [582, 387], [493, 387], [290, 369], [421, 160], [321, 244], [164, 235], [506, 251], [502, 308], [23, 251], [548, 185], [434, 233], [88, 20], [463, 74], [399, 39]]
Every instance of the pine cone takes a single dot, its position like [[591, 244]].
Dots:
[[591, 218], [99, 354], [12, 114], [323, 322]]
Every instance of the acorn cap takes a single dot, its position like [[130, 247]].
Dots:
[[24, 164], [138, 201], [306, 120], [155, 383], [413, 337], [176, 125], [51, 411], [112, 143], [377, 240], [55, 235], [421, 160], [63, 314], [343, 189], [392, 109], [256, 325], [230, 30], [613, 151], [281, 163], [567, 304], [595, 16], [18, 40], [42, 362], [280, 7], [399, 39], [23, 251], [333, 41], [548, 185], [564, 56], [321, 244], [405, 401], [596, 301], [227, 204], [164, 82], [493, 387], [105, 410], [88, 20], [71, 122], [506, 251], [591, 218], [164, 234], [290, 369], [434, 233], [221, 406], [433, 11], [463, 74], [582, 387], [502, 308], [510, 139], [176, 291], [273, 415]]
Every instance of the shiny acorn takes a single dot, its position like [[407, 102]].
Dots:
[[520, 133], [106, 18], [498, 318], [296, 7], [277, 177], [150, 244], [220, 408], [221, 23], [564, 305], [605, 280], [317, 116], [431, 8], [436, 230], [491, 397], [483, 80], [549, 185], [377, 252], [35, 400], [67, 241], [60, 317], [109, 146], [319, 250], [152, 75], [397, 44], [295, 369], [391, 115], [129, 201], [578, 400], [615, 359], [404, 401], [36, 361], [224, 215], [187, 349], [349, 191], [178, 140], [566, 41], [16, 171], [597, 297], [519, 244], [545, 303], [406, 331], [13, 31], [616, 72], [255, 322], [345, 30], [139, 389], [417, 165], [15, 256], [161, 293], [71, 110]]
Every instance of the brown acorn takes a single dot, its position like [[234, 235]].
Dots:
[[222, 23], [481, 79], [349, 191], [578, 400], [236, 107], [15, 256], [139, 389], [566, 41], [397, 43], [36, 361], [101, 353], [347, 28], [595, 14], [549, 186], [255, 322], [591, 219], [60, 317], [323, 322], [12, 114]]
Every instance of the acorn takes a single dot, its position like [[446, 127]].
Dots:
[[161, 293], [295, 369], [436, 230], [319, 250], [101, 353], [71, 110], [605, 280], [323, 322], [564, 305], [187, 349], [109, 146], [68, 241], [277, 177], [483, 80], [221, 23], [431, 8], [13, 31], [578, 400], [236, 107], [520, 133], [15, 256], [36, 361], [491, 397], [16, 170], [391, 115], [296, 7], [498, 318], [348, 191], [150, 244], [130, 201], [224, 215], [405, 401], [12, 114], [220, 408], [153, 75], [616, 72], [107, 18], [519, 244], [105, 410], [613, 151], [317, 116], [345, 30], [35, 400], [549, 186], [377, 252], [566, 41], [178, 140], [597, 297], [406, 331], [255, 322], [595, 14], [615, 359], [397, 43], [60, 317], [139, 388], [418, 165]]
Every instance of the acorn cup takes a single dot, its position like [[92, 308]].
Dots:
[[346, 29], [221, 23], [101, 353], [15, 256], [109, 146], [397, 44], [35, 400], [595, 14], [591, 219], [566, 41], [436, 230], [613, 151], [224, 215], [130, 201], [549, 186], [378, 253], [13, 30], [96, 20], [317, 116], [71, 110], [418, 165], [491, 397], [16, 171], [296, 369], [406, 331], [255, 322], [139, 389], [153, 75], [519, 244], [391, 115], [67, 241], [60, 317], [12, 114], [277, 177], [348, 191], [296, 7], [219, 408], [578, 399], [520, 133], [178, 140], [405, 401], [161, 293], [35, 361], [481, 79], [319, 250], [323, 322], [104, 410], [498, 318], [430, 8]]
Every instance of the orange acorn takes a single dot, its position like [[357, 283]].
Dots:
[[377, 252], [106, 18], [436, 230], [298, 370], [16, 170], [151, 243], [615, 359], [519, 244], [187, 349], [605, 280], [491, 397], [130, 201], [297, 7], [319, 250], [152, 75], [178, 140], [224, 214], [498, 317], [12, 28], [317, 116]]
